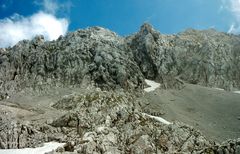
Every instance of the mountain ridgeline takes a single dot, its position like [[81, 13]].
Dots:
[[101, 57], [86, 90]]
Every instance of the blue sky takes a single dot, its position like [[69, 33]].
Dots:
[[125, 16]]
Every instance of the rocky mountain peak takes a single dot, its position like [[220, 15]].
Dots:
[[111, 61], [38, 40], [87, 89], [146, 28]]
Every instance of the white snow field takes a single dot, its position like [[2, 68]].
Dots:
[[153, 85], [48, 147]]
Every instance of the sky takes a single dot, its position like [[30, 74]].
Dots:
[[23, 19]]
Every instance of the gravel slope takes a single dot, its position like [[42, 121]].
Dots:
[[216, 113]]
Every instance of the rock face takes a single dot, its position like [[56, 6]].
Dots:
[[14, 135], [109, 118], [100, 56], [94, 54], [208, 58]]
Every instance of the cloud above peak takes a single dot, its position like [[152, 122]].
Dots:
[[17, 27], [234, 7]]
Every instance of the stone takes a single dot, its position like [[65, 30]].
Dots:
[[69, 146], [102, 130], [237, 149]]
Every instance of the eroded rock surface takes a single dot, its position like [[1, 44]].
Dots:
[[110, 122], [208, 57], [14, 135], [109, 118]]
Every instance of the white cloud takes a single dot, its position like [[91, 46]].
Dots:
[[232, 28], [234, 7], [17, 28]]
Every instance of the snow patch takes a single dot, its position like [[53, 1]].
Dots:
[[48, 147], [153, 85], [237, 92], [218, 89], [159, 119]]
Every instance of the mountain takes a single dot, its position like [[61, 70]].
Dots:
[[208, 58], [86, 89]]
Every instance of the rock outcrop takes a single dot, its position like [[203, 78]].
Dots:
[[207, 57], [110, 122], [107, 122], [94, 54], [14, 135]]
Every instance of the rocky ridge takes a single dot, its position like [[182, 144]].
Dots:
[[208, 58], [111, 119]]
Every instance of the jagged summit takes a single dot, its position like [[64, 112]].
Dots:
[[146, 28], [96, 33]]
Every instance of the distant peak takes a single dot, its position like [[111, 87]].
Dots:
[[146, 28], [39, 39]]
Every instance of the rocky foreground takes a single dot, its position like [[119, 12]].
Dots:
[[85, 89]]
